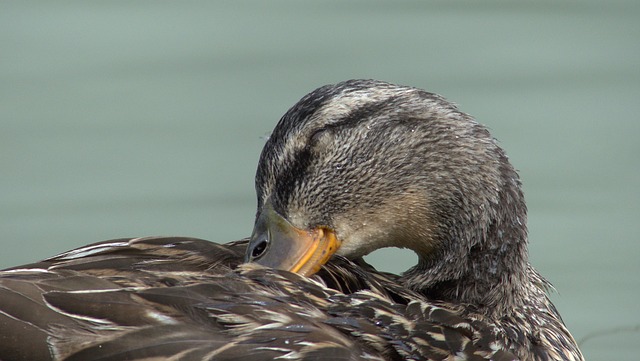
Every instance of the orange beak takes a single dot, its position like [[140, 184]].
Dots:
[[278, 244]]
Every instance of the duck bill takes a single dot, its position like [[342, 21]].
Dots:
[[278, 244]]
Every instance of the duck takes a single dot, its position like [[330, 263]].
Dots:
[[351, 168]]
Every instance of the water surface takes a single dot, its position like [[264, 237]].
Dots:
[[125, 119]]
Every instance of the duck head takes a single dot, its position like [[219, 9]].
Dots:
[[363, 164]]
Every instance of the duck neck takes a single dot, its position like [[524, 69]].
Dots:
[[493, 280], [482, 260]]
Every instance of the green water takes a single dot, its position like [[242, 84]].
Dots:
[[144, 118]]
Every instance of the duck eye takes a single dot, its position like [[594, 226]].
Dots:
[[317, 135], [320, 137], [259, 249]]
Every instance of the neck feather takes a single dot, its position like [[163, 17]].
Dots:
[[483, 258]]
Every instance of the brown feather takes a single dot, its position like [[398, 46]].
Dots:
[[79, 306]]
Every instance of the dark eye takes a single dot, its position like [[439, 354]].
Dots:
[[259, 249]]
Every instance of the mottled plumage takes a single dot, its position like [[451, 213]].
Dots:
[[365, 164], [382, 165], [187, 299]]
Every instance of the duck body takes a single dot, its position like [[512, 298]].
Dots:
[[97, 302], [351, 168], [187, 299]]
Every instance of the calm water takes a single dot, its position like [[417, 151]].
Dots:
[[125, 119]]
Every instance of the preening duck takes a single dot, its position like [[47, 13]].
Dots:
[[351, 168]]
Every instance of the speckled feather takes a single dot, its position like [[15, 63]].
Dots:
[[382, 165], [393, 166], [184, 299]]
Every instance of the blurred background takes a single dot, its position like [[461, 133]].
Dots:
[[122, 119]]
